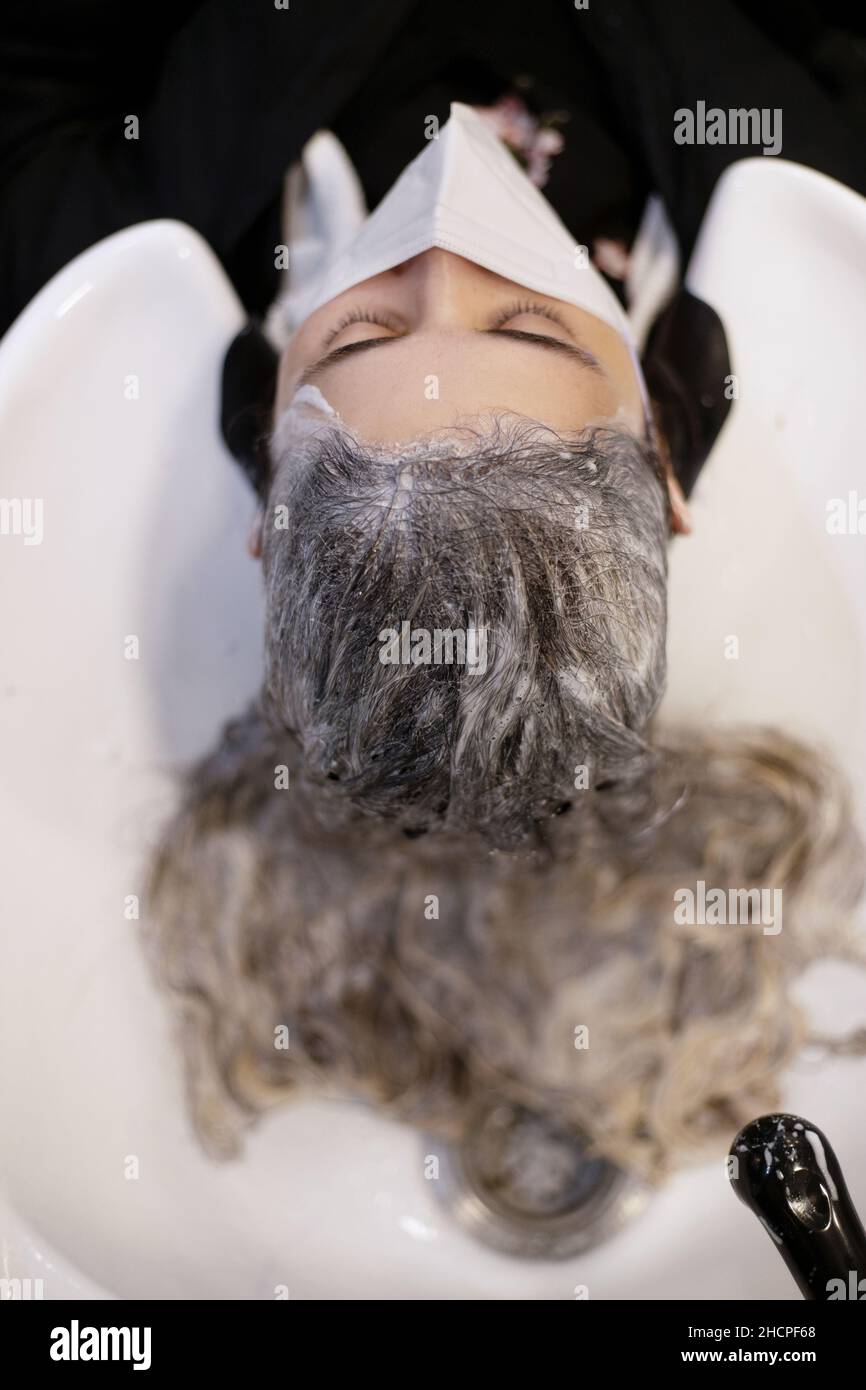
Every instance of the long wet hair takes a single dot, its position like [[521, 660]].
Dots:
[[423, 883]]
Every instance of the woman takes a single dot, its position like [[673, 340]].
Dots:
[[442, 882]]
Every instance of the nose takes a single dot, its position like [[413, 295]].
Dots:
[[446, 290]]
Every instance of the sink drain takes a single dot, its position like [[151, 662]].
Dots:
[[525, 1186]]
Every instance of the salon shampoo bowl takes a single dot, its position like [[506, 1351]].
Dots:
[[108, 410]]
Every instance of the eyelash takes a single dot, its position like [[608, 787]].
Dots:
[[510, 311], [526, 306], [361, 316]]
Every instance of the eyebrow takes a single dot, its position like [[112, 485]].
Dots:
[[518, 335]]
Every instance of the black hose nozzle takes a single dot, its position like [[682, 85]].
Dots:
[[785, 1170]]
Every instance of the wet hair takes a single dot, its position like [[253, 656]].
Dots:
[[425, 879], [551, 550]]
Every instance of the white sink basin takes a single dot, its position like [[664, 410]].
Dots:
[[144, 528]]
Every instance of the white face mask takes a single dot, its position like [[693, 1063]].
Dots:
[[467, 194]]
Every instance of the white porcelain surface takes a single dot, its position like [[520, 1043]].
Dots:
[[145, 520]]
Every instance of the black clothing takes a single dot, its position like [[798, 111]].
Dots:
[[227, 92]]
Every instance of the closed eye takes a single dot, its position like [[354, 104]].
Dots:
[[382, 319], [495, 329], [573, 350], [516, 309], [530, 308]]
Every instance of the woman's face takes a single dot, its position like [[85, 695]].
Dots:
[[439, 340]]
